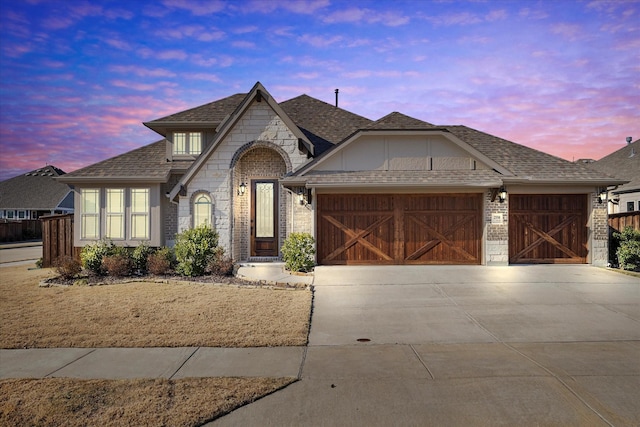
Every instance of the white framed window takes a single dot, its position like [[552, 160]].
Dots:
[[2, 214], [187, 143], [11, 214], [202, 210], [90, 216], [22, 214], [140, 213], [114, 213]]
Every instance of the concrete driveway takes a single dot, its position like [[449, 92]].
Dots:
[[472, 345]]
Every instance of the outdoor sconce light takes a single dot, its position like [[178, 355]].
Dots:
[[304, 197], [242, 188], [602, 195], [502, 194]]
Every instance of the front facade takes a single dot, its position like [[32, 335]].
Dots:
[[393, 191], [624, 164]]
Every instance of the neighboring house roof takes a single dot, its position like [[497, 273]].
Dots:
[[34, 190], [623, 164]]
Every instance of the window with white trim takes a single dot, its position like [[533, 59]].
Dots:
[[140, 213], [187, 143], [115, 213], [90, 216], [202, 210]]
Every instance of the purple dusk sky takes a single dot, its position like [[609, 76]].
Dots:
[[78, 78]]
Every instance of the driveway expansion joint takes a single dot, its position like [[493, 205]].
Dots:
[[71, 362]]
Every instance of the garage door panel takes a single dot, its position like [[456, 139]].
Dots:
[[399, 229], [548, 228]]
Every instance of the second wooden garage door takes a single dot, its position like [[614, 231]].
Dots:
[[399, 229]]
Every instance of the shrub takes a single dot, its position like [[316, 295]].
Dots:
[[629, 250], [194, 250], [92, 255], [298, 252], [140, 256], [39, 262], [67, 267], [118, 265], [160, 261], [221, 264]]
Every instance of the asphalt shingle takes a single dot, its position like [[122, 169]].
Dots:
[[34, 190]]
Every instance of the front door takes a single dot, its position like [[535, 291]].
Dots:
[[264, 218]]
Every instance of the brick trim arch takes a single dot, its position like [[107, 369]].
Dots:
[[260, 144]]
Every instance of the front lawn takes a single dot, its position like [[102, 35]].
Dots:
[[140, 314]]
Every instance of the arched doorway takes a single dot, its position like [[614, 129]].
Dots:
[[259, 214]]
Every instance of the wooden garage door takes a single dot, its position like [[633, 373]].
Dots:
[[399, 229], [548, 228]]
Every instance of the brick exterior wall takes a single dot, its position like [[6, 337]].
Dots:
[[497, 236], [599, 233], [260, 145], [169, 211]]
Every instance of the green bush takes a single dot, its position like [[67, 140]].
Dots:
[[92, 255], [194, 250], [140, 256], [161, 261], [298, 252], [629, 250]]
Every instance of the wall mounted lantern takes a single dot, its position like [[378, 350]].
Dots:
[[502, 194], [304, 196], [242, 188], [602, 195]]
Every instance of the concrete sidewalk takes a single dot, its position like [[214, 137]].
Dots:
[[171, 363]]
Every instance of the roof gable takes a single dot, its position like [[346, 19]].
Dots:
[[259, 94], [399, 121]]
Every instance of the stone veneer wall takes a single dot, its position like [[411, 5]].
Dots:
[[599, 233], [260, 126], [497, 236]]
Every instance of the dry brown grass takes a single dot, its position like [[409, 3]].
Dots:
[[146, 314], [161, 402]]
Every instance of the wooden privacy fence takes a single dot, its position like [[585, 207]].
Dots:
[[14, 231], [57, 239], [626, 219]]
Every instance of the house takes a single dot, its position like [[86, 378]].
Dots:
[[625, 165], [35, 194], [393, 191]]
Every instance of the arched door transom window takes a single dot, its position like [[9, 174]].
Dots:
[[202, 210]]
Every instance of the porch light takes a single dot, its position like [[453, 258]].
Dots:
[[301, 197], [602, 196], [502, 194], [242, 188]]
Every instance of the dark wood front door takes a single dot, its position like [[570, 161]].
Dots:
[[264, 218], [548, 228], [399, 228]]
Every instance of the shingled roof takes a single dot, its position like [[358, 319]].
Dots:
[[148, 164], [398, 121], [326, 125], [34, 190], [624, 164]]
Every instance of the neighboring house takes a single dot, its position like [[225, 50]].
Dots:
[[393, 191], [35, 194], [625, 165]]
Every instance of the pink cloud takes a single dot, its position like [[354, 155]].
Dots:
[[142, 71], [242, 44], [355, 14], [319, 41]]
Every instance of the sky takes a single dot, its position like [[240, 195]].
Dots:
[[78, 78]]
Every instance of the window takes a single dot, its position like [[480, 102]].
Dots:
[[140, 213], [90, 217], [187, 143], [23, 214], [11, 214], [202, 210], [630, 206], [115, 213], [2, 214]]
